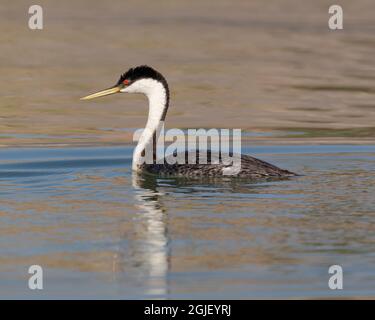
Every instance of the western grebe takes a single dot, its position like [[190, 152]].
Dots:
[[146, 80]]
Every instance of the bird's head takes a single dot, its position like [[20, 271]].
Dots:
[[141, 79]]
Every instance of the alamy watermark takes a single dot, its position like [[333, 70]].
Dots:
[[336, 281], [36, 18], [224, 146], [336, 20], [36, 280]]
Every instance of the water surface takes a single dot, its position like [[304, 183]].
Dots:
[[100, 232], [237, 64]]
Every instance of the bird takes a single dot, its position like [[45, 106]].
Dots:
[[148, 81]]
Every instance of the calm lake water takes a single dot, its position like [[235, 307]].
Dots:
[[99, 232], [239, 64]]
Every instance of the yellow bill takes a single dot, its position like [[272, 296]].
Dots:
[[102, 93]]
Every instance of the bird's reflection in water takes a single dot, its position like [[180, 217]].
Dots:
[[146, 256]]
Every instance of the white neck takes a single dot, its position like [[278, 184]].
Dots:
[[157, 100]]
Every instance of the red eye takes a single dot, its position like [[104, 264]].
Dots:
[[126, 82]]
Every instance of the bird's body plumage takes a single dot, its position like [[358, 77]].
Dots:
[[251, 168]]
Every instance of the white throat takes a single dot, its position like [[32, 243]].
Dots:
[[157, 101]]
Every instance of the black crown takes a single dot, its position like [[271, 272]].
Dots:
[[142, 72]]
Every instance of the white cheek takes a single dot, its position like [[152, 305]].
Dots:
[[130, 89], [140, 86], [145, 86]]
